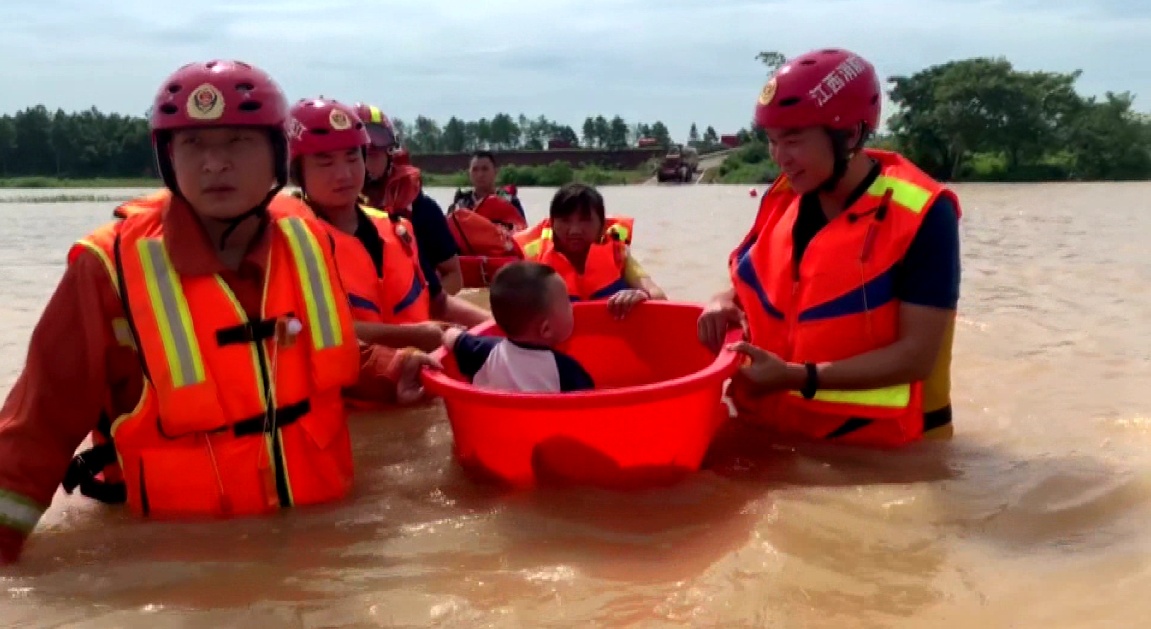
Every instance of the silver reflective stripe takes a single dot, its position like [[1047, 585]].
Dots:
[[313, 266], [165, 294], [18, 512]]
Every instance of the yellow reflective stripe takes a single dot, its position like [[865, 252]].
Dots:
[[532, 248], [123, 332], [374, 213], [173, 317], [18, 512], [317, 285], [897, 396], [905, 193], [99, 252], [546, 233], [376, 115]]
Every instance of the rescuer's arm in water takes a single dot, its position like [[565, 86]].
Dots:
[[425, 336], [927, 284], [642, 289], [439, 254], [57, 399], [391, 375]]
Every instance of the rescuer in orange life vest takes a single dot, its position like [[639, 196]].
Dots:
[[499, 205], [848, 282], [376, 251], [394, 185], [207, 329]]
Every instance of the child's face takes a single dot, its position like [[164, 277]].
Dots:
[[577, 232], [557, 325]]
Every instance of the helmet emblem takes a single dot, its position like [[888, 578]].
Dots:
[[205, 103], [339, 120]]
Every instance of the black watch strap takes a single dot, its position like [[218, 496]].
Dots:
[[811, 385]]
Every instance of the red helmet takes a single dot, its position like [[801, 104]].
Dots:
[[380, 128], [832, 88], [218, 94], [321, 124]]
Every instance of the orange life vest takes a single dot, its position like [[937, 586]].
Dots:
[[838, 303], [236, 417], [399, 292], [604, 268]]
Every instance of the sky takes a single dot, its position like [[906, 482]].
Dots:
[[679, 61]]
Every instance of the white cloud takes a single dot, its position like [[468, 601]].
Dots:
[[676, 60]]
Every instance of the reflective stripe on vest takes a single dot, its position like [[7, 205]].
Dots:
[[175, 319], [316, 284], [897, 396], [905, 193], [171, 306]]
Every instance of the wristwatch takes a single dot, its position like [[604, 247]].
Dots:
[[811, 385]]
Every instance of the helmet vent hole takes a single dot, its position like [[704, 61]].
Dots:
[[874, 98], [211, 64], [830, 51], [807, 62], [169, 108], [174, 87], [250, 105], [789, 101], [245, 87], [320, 131]]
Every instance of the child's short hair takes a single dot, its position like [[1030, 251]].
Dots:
[[575, 198], [520, 294]]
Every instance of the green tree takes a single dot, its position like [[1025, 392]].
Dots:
[[710, 136], [617, 134], [602, 132], [455, 137], [693, 135], [590, 133], [505, 133], [662, 135], [771, 59]]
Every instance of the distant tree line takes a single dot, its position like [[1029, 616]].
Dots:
[[981, 119], [93, 144]]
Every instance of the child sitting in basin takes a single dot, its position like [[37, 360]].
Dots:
[[529, 302], [590, 250]]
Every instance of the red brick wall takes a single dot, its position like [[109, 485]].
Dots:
[[627, 159]]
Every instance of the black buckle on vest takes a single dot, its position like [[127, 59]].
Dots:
[[250, 332], [285, 415], [82, 473]]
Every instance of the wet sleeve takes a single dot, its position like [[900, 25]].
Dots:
[[379, 372], [57, 399], [573, 377], [929, 274], [471, 352]]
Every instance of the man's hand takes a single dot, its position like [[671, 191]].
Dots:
[[765, 372], [409, 389], [621, 303], [715, 321]]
